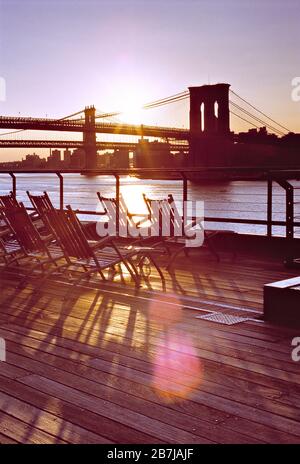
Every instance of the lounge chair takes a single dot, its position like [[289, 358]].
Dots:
[[129, 227], [27, 242], [10, 251], [10, 201], [42, 204], [179, 232], [95, 256]]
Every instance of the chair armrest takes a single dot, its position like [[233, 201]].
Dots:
[[5, 231], [47, 238], [146, 218], [101, 242], [34, 215]]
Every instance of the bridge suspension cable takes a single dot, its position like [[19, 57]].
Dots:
[[12, 132], [71, 115], [274, 129], [167, 100], [244, 119], [154, 104], [259, 111]]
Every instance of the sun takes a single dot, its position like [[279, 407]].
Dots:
[[126, 95], [131, 108]]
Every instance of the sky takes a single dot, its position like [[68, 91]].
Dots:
[[56, 57]]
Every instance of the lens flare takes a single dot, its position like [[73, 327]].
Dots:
[[177, 368]]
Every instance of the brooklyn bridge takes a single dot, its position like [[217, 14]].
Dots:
[[208, 141]]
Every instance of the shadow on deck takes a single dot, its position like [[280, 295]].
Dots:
[[108, 364]]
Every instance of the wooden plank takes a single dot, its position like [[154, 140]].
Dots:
[[109, 429], [37, 418], [99, 349], [75, 348], [118, 330], [89, 387], [21, 432], [5, 440], [123, 415]]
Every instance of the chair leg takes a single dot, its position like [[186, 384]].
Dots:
[[212, 249], [173, 257], [158, 270], [134, 273]]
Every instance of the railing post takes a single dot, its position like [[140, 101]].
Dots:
[[117, 203], [290, 212], [289, 207], [269, 208], [61, 190], [14, 184], [184, 197]]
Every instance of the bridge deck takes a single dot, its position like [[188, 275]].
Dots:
[[109, 366]]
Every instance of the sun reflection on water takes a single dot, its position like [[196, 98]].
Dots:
[[133, 196]]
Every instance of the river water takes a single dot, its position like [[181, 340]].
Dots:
[[237, 199]]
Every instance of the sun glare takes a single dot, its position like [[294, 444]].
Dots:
[[131, 107]]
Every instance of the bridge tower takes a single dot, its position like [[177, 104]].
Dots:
[[89, 138], [209, 123]]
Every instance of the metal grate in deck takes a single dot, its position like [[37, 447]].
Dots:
[[221, 318]]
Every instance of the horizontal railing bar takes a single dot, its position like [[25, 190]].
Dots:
[[262, 222], [126, 171]]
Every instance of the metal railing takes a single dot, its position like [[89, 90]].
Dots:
[[278, 177]]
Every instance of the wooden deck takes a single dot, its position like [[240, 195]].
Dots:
[[109, 365]]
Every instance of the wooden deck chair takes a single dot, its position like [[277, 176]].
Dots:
[[127, 220], [131, 227], [165, 213], [207, 234], [34, 246], [10, 201], [42, 204], [10, 250], [6, 201], [94, 256]]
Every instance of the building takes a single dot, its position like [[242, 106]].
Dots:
[[153, 155], [104, 160], [54, 160], [120, 158], [33, 162], [67, 157], [78, 159]]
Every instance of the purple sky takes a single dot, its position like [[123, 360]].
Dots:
[[58, 56]]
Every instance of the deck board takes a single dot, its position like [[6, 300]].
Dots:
[[109, 364]]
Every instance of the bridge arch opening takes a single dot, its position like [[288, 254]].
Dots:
[[202, 119], [216, 115]]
